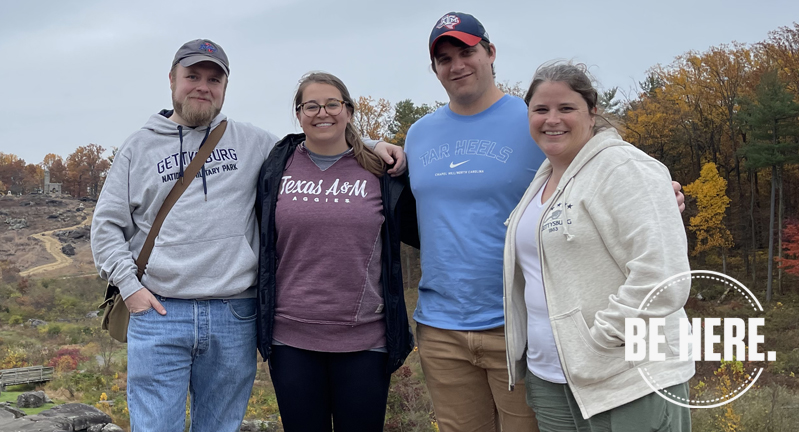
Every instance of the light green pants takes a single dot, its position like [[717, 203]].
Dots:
[[557, 411]]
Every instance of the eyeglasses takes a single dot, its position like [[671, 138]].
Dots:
[[332, 107]]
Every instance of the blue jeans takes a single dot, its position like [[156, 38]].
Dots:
[[203, 347]]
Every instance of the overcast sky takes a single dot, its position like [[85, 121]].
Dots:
[[90, 71]]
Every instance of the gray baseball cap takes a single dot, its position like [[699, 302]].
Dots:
[[200, 50]]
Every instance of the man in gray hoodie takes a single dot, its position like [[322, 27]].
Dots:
[[192, 326]]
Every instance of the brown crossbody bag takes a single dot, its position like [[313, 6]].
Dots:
[[115, 314]]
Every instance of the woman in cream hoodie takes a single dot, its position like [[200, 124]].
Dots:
[[595, 232]]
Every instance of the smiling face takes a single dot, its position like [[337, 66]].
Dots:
[[198, 92], [465, 72], [560, 121], [324, 133]]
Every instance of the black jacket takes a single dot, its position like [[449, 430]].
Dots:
[[399, 208]]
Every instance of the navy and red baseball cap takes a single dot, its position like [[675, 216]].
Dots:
[[201, 50], [461, 26]]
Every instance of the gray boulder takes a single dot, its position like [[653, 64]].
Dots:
[[258, 426], [110, 427], [80, 233], [68, 250], [33, 399], [76, 416], [36, 322]]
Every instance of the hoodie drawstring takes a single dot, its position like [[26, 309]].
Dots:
[[564, 219], [205, 187], [180, 156]]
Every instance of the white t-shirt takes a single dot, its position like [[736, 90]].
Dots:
[[542, 354]]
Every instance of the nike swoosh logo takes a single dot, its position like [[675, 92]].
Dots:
[[453, 165]]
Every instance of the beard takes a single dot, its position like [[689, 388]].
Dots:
[[193, 115]]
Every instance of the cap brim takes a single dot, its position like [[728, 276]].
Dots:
[[194, 59], [466, 38]]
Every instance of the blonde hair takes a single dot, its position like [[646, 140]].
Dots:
[[364, 155]]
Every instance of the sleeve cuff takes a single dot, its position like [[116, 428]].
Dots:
[[129, 285]]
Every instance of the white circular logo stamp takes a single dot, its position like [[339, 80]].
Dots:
[[739, 336]]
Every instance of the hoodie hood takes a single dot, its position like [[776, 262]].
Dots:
[[162, 125], [602, 141]]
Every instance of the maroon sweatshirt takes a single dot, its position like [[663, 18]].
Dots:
[[329, 297]]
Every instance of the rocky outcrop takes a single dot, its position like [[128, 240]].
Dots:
[[16, 224], [73, 417], [259, 426]]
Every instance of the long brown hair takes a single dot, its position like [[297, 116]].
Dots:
[[364, 155]]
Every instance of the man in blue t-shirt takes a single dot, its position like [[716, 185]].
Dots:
[[469, 164]]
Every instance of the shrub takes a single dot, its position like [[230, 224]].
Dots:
[[53, 330], [66, 359], [14, 358]]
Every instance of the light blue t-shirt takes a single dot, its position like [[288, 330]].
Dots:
[[467, 174]]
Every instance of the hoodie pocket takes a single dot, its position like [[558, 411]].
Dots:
[[587, 362], [221, 258]]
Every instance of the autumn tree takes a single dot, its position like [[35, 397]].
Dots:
[[712, 202], [781, 49], [790, 262], [771, 119], [86, 169], [55, 164], [372, 117], [13, 173]]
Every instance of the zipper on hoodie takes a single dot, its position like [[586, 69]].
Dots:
[[555, 196]]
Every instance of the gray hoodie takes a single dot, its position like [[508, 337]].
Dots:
[[208, 244], [612, 233]]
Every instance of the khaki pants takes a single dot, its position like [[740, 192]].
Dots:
[[467, 378]]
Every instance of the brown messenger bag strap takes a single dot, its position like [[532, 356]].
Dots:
[[177, 190]]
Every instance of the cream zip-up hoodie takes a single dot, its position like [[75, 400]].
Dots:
[[611, 233]]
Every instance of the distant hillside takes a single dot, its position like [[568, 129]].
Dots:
[[22, 245]]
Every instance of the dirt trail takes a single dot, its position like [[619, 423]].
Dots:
[[53, 247]]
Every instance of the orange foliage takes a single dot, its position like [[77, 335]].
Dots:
[[372, 118]]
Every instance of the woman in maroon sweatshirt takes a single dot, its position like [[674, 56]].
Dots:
[[332, 318]]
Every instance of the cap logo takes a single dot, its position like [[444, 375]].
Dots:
[[448, 21], [207, 47]]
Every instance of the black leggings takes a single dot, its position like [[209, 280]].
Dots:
[[311, 387]]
